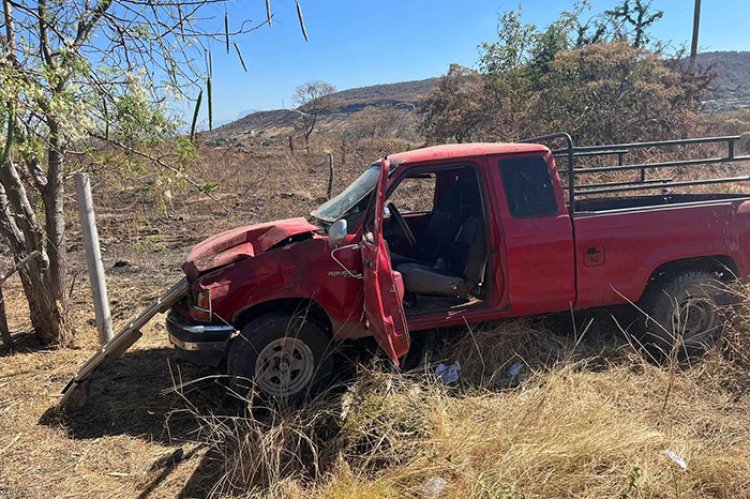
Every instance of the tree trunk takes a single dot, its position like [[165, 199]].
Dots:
[[21, 229], [46, 315], [55, 218], [310, 129]]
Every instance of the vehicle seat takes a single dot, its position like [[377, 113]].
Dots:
[[441, 228], [460, 275]]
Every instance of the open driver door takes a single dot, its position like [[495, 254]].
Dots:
[[384, 288]]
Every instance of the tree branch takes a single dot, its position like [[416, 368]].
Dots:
[[163, 165], [43, 35], [10, 29], [23, 261], [34, 169], [86, 25], [8, 227]]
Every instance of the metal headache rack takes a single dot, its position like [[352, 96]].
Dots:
[[571, 152]]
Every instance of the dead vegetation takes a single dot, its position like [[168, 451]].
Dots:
[[590, 418]]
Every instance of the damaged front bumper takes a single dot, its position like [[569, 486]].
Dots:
[[202, 344]]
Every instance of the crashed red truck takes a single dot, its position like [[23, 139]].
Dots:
[[457, 234]]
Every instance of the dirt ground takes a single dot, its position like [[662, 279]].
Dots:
[[124, 443]]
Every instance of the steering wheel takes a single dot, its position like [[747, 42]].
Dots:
[[402, 225]]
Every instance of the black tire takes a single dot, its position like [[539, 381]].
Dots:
[[270, 339], [683, 310]]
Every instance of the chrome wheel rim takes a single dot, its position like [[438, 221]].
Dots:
[[284, 367], [693, 318]]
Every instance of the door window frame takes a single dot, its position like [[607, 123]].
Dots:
[[403, 171]]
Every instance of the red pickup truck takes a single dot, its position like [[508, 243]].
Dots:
[[464, 233]]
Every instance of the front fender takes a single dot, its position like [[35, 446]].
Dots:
[[303, 270]]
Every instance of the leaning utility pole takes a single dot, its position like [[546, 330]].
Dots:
[[696, 29]]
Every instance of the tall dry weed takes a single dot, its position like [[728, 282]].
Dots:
[[576, 426]]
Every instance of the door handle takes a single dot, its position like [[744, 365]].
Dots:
[[594, 255]]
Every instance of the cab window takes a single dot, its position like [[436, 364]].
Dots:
[[528, 187]]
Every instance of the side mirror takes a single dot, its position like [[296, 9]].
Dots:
[[337, 233]]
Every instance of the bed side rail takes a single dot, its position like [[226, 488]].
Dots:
[[643, 183]]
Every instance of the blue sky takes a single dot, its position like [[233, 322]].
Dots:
[[365, 42]]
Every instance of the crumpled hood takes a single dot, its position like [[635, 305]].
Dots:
[[243, 242]]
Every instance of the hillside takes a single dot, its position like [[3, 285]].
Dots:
[[733, 79], [404, 95], [733, 92]]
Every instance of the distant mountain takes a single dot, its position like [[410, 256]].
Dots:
[[733, 79], [267, 123], [244, 113], [733, 92], [403, 95]]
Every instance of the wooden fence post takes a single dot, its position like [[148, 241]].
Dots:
[[93, 258], [330, 174]]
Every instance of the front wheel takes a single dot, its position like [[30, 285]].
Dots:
[[287, 357], [684, 310]]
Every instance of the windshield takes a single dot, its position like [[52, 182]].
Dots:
[[336, 207]]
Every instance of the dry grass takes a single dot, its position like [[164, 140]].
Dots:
[[576, 425], [588, 417]]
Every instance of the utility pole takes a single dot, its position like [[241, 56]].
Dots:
[[696, 29]]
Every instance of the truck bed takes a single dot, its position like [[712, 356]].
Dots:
[[635, 202], [617, 251]]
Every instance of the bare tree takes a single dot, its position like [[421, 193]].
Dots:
[[77, 70], [313, 98]]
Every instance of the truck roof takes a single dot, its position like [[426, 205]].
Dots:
[[457, 151]]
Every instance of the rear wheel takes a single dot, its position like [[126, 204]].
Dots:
[[287, 357], [684, 310]]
